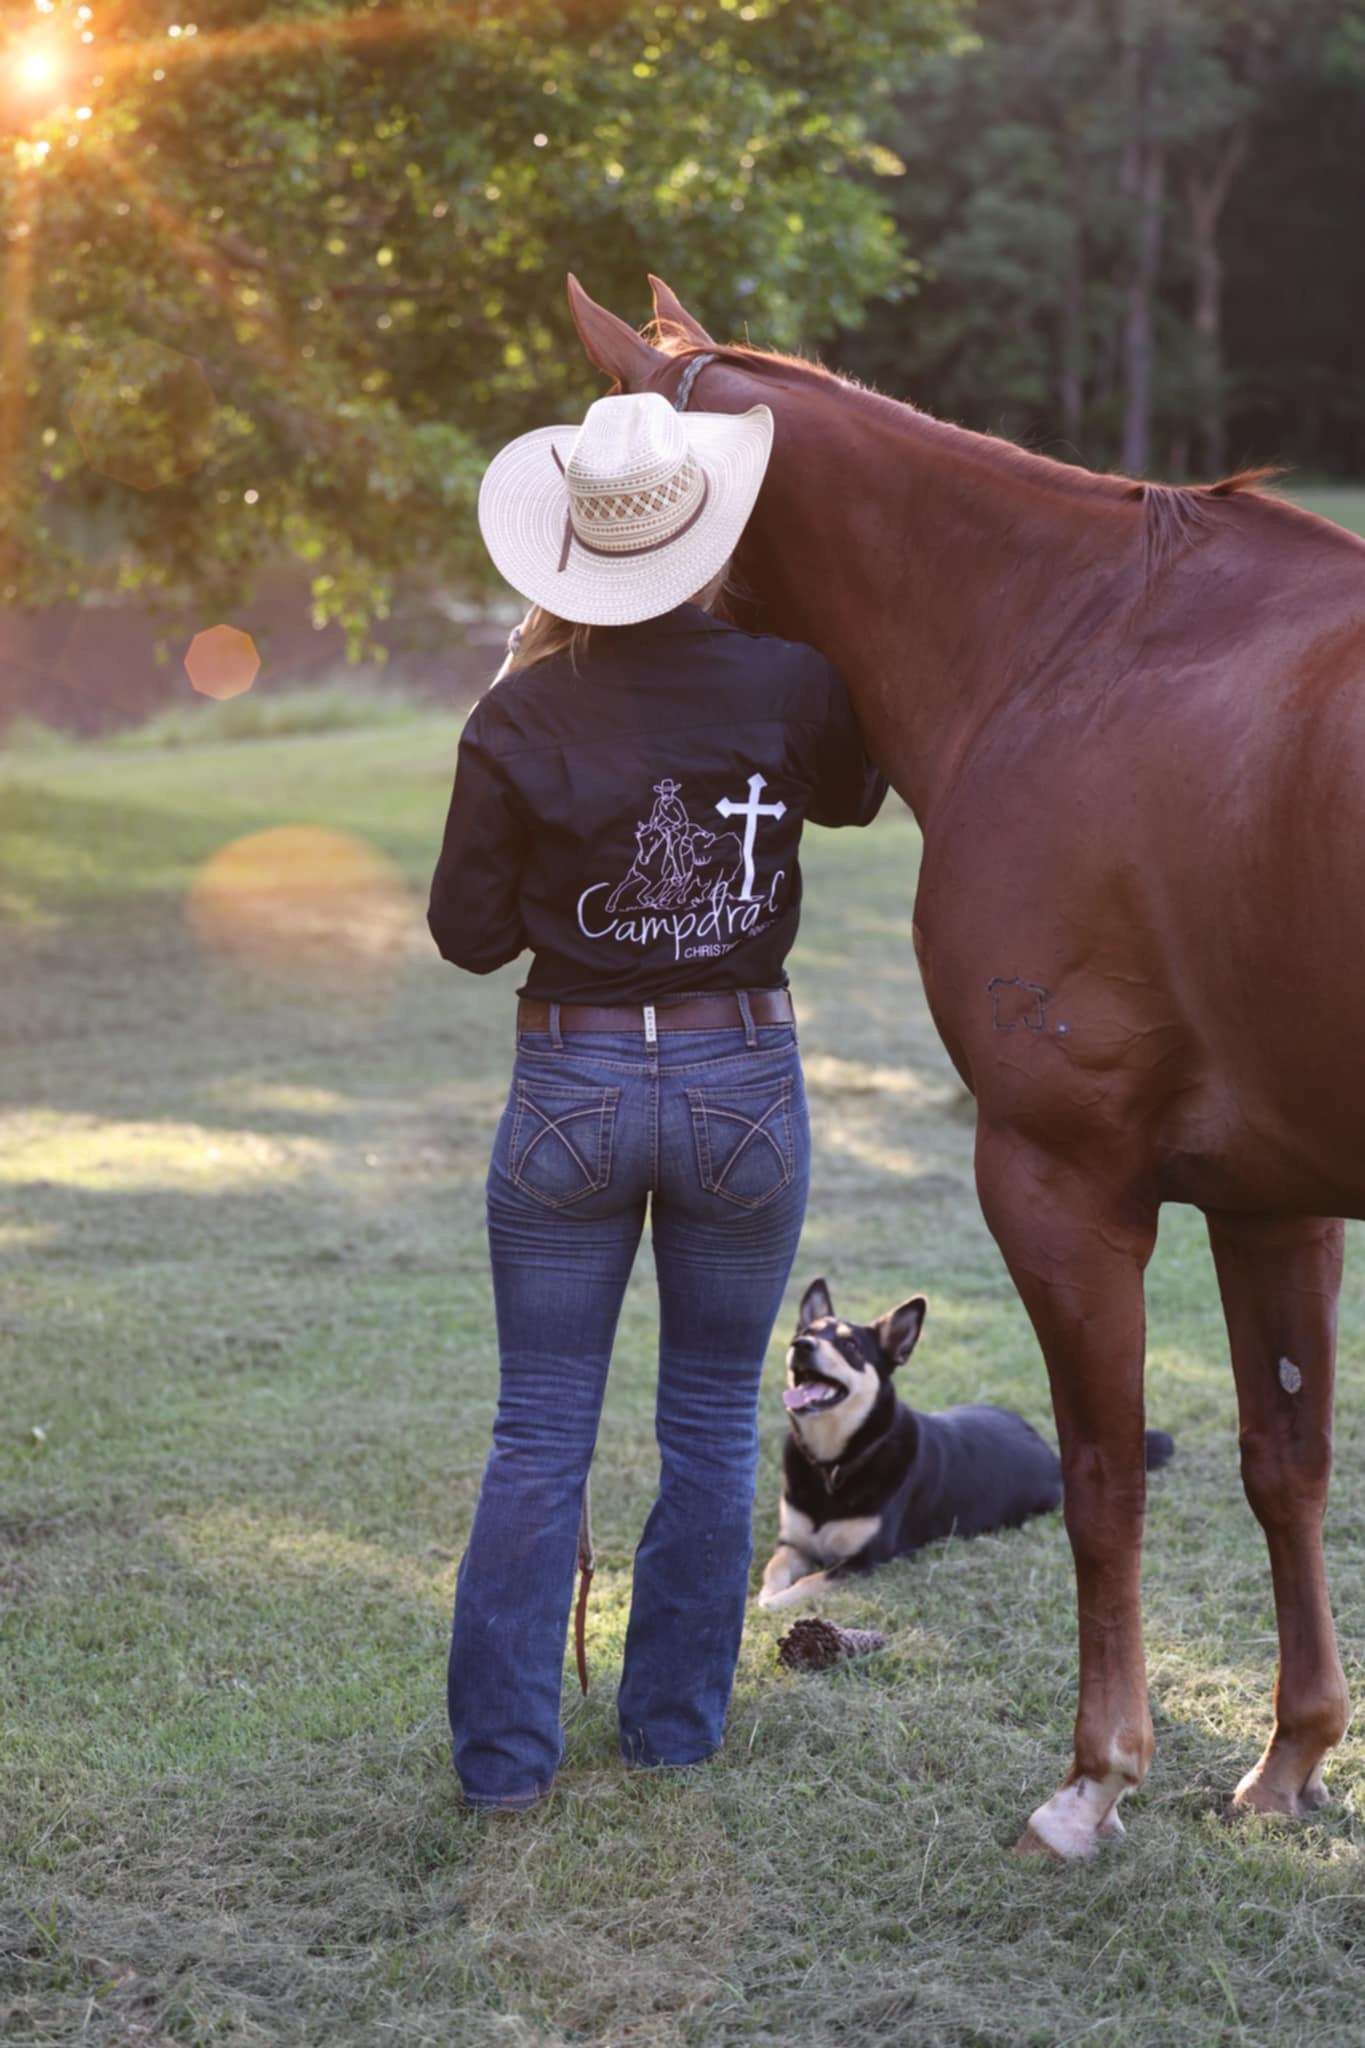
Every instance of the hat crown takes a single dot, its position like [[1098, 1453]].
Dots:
[[632, 479], [632, 439]]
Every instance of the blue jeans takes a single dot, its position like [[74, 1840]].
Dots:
[[711, 1134]]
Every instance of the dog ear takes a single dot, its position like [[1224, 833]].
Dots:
[[815, 1302], [898, 1330]]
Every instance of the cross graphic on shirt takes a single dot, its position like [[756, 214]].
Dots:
[[751, 812]]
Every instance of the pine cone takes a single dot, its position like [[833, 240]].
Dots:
[[814, 1644]]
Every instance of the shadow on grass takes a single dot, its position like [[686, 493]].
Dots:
[[837, 1867], [66, 856]]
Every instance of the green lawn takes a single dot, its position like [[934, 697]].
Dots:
[[1343, 502], [246, 1383]]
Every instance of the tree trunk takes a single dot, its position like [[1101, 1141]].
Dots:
[[1071, 368], [15, 314], [1206, 192], [1137, 315], [1142, 181]]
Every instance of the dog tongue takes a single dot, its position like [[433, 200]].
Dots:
[[801, 1397]]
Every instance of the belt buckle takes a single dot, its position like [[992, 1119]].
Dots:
[[651, 1025]]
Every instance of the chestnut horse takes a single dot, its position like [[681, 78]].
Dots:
[[1130, 720]]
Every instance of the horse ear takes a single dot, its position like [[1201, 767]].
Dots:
[[614, 347], [898, 1330], [815, 1302], [670, 311]]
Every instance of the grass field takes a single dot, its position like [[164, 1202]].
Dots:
[[246, 1383], [1343, 502]]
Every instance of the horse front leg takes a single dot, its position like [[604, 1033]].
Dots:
[[1077, 1247], [1279, 1278]]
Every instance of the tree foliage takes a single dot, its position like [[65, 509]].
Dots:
[[1092, 186], [296, 270]]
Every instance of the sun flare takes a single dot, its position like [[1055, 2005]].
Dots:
[[38, 68]]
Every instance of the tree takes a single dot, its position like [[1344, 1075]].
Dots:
[[1294, 287], [290, 276], [1073, 171], [1142, 47]]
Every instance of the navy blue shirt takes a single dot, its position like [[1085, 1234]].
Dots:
[[636, 822]]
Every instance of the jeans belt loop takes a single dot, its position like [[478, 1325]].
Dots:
[[750, 1035], [556, 1036], [651, 1025]]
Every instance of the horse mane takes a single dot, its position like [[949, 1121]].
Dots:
[[1175, 517]]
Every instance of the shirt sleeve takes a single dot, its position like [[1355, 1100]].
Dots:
[[849, 790], [474, 913]]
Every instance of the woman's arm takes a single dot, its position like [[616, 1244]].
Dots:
[[849, 790], [473, 913]]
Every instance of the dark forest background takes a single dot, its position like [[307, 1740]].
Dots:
[[1141, 234]]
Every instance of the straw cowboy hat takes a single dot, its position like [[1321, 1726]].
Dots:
[[628, 515]]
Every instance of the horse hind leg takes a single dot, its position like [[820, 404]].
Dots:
[[1279, 1278], [1077, 1252]]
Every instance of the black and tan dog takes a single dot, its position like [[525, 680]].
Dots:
[[866, 1479]]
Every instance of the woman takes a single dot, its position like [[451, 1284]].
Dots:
[[628, 803]]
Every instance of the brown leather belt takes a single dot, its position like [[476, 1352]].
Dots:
[[687, 1013]]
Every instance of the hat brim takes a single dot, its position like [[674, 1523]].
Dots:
[[523, 506]]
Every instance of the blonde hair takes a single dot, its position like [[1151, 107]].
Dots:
[[544, 633]]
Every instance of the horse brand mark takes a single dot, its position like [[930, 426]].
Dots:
[[685, 882], [1018, 1002]]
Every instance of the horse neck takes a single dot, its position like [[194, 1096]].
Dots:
[[941, 571]]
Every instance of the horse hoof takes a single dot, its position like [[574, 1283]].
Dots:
[[1263, 1799], [1071, 1825], [1259, 1793], [1030, 1844]]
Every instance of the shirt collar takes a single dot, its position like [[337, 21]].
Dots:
[[684, 618]]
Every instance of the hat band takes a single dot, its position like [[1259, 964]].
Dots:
[[649, 547]]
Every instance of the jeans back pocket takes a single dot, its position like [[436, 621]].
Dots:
[[561, 1141], [743, 1131]]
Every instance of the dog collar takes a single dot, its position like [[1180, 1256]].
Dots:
[[835, 1474]]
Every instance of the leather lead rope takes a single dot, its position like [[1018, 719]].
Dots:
[[586, 1564]]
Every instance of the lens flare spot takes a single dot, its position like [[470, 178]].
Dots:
[[38, 69], [222, 662], [145, 415], [307, 902]]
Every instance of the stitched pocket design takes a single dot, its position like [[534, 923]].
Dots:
[[745, 1152], [561, 1143]]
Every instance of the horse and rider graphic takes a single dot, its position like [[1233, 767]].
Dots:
[[679, 865]]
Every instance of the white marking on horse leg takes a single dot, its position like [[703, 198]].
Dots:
[[1291, 1379], [1075, 1820]]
